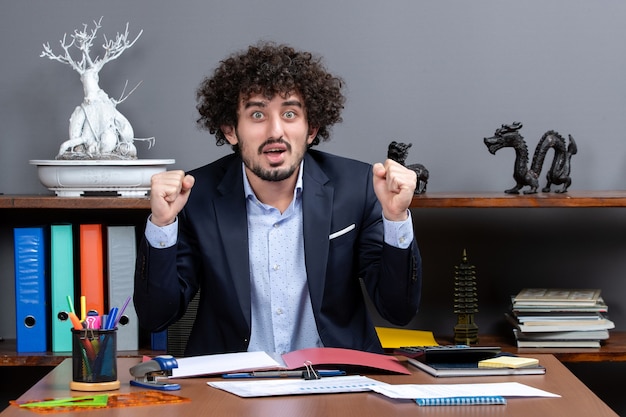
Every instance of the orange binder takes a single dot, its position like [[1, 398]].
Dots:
[[92, 267]]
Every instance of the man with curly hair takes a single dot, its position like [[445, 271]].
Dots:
[[279, 239]]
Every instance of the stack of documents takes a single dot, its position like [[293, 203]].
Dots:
[[357, 383], [553, 318]]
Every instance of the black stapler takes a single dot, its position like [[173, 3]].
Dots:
[[153, 373]]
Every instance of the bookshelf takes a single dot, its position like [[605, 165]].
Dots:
[[30, 209], [25, 210]]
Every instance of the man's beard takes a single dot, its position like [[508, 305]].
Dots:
[[271, 174], [274, 175]]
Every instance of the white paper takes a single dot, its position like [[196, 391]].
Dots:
[[293, 386], [504, 389], [223, 363]]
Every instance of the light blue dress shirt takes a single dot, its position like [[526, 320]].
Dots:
[[282, 316]]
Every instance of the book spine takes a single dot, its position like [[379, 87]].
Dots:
[[62, 285], [31, 309], [476, 400], [92, 267], [121, 245]]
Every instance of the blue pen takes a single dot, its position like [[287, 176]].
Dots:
[[111, 319]]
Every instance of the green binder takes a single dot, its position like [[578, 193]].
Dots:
[[62, 285]]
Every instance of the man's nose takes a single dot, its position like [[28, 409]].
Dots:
[[275, 128]]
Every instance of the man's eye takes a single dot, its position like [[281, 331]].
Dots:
[[257, 115], [290, 114]]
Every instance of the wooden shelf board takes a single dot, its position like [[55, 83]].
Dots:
[[428, 200], [52, 202], [9, 357], [502, 200], [612, 350]]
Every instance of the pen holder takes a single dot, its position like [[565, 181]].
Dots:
[[94, 360]]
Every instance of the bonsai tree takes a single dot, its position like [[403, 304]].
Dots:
[[97, 129]]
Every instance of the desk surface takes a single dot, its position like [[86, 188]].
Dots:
[[576, 400]]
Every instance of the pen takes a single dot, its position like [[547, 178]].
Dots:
[[70, 304], [83, 307], [75, 321], [119, 316], [110, 324], [281, 374]]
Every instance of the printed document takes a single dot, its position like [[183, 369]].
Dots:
[[504, 389]]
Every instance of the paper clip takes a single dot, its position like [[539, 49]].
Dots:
[[309, 372]]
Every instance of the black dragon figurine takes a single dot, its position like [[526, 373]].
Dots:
[[398, 151], [508, 136]]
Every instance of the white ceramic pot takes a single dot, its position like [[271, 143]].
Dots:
[[75, 178]]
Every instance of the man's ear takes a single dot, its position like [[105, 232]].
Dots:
[[312, 134], [230, 134]]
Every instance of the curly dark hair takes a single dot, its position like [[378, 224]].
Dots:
[[270, 69]]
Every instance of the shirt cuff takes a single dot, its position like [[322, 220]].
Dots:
[[161, 237], [398, 234]]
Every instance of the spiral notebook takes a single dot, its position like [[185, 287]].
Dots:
[[479, 400]]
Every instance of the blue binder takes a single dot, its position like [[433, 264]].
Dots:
[[61, 285], [30, 289]]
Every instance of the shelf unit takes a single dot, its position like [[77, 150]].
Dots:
[[20, 208], [45, 209]]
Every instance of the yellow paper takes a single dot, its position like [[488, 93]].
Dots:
[[392, 338], [507, 362]]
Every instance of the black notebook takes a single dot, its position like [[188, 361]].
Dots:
[[472, 369]]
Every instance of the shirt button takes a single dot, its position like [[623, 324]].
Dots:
[[402, 239], [276, 267], [276, 225], [279, 311]]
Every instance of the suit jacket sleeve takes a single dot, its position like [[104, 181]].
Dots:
[[158, 302]]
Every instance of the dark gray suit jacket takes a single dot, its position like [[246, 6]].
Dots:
[[212, 255]]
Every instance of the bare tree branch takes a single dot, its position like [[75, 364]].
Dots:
[[114, 48], [124, 97], [83, 40], [64, 59]]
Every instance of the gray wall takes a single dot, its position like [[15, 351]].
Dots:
[[440, 74]]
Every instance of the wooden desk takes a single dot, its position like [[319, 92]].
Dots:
[[576, 400]]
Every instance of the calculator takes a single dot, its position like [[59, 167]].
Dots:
[[448, 353]]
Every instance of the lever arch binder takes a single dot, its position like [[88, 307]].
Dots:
[[31, 315], [61, 285]]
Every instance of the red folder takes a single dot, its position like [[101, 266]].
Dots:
[[92, 267], [338, 356]]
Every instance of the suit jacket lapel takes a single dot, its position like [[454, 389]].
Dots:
[[317, 203], [233, 225]]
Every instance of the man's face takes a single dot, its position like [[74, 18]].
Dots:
[[272, 135]]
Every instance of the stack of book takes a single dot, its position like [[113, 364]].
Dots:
[[544, 317]]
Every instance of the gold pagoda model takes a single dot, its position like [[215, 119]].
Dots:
[[465, 302]]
